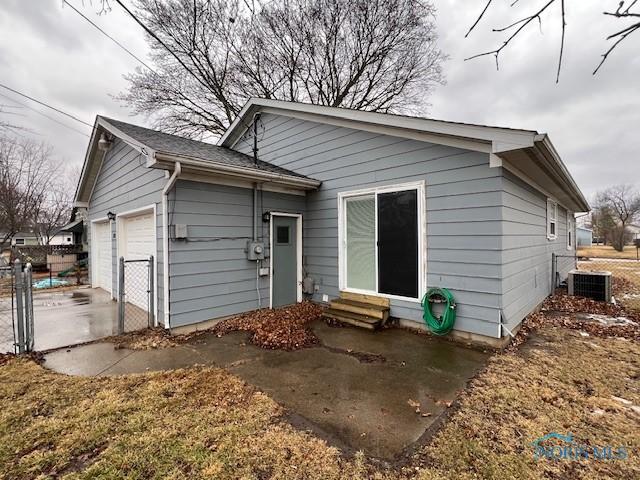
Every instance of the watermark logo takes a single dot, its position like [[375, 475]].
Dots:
[[556, 446]]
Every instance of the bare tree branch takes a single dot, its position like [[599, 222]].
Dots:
[[623, 11], [484, 10], [377, 55]]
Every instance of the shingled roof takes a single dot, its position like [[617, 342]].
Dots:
[[169, 144]]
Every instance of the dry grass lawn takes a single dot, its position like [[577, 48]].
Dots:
[[606, 251], [205, 423]]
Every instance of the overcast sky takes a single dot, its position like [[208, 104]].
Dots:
[[50, 53]]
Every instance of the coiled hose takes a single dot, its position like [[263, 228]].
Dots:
[[443, 324]]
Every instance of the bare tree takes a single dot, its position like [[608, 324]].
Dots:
[[627, 10], [55, 210], [210, 56], [27, 174], [621, 203]]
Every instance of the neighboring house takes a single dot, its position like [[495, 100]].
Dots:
[[584, 237], [70, 234], [21, 239], [365, 202], [634, 231]]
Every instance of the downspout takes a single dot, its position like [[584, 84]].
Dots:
[[165, 241]]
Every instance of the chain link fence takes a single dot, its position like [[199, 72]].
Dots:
[[7, 308], [135, 295], [16, 308]]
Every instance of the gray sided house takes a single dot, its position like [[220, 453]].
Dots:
[[301, 201]]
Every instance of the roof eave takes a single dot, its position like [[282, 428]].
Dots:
[[544, 146], [166, 160]]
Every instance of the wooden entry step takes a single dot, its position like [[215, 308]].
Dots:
[[364, 311]]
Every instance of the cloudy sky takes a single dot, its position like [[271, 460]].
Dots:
[[51, 53]]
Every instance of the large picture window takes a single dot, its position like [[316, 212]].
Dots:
[[381, 240]]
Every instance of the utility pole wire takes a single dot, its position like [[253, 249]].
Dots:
[[159, 40], [46, 105], [65, 2], [43, 114]]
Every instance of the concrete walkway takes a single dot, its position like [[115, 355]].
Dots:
[[70, 317], [353, 390]]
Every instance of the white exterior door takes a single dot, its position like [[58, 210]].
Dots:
[[103, 256], [138, 243]]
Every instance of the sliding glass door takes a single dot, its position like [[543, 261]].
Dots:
[[381, 241]]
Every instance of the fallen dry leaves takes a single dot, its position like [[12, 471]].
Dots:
[[284, 328], [562, 310]]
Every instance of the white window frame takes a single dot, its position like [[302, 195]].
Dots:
[[571, 232], [552, 207], [420, 187]]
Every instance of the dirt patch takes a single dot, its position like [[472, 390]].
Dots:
[[286, 328], [563, 310], [147, 339]]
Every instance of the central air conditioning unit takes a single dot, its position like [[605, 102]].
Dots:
[[595, 285]]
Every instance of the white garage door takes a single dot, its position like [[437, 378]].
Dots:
[[138, 243], [103, 255]]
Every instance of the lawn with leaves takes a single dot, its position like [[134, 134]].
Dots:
[[206, 423]]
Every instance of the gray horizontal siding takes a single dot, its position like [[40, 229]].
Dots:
[[527, 252], [210, 275], [464, 198], [123, 184]]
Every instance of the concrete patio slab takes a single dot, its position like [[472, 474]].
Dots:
[[354, 389]]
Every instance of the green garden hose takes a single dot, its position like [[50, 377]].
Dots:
[[443, 324]]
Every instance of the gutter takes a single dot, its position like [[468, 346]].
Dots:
[[543, 143], [244, 172], [165, 241]]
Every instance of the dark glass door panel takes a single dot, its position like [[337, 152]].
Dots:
[[398, 243]]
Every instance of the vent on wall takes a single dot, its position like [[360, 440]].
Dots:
[[595, 285]]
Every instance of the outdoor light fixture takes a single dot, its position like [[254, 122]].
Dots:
[[266, 216], [111, 216], [104, 144]]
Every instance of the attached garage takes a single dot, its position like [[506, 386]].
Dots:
[[102, 256]]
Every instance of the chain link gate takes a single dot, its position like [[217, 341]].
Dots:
[[16, 308], [135, 294]]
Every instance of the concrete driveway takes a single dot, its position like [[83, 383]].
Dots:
[[358, 389], [63, 318]]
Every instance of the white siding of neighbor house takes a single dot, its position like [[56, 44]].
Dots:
[[463, 208], [210, 276], [527, 252], [123, 184]]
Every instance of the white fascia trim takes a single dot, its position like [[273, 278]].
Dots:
[[241, 183], [554, 158], [247, 173], [136, 145], [87, 156], [506, 136], [105, 125]]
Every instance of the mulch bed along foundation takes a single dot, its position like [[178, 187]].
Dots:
[[562, 310], [284, 328]]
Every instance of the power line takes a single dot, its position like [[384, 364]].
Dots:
[[152, 33], [107, 35], [43, 114], [46, 105]]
